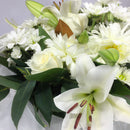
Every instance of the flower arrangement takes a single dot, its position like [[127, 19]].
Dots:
[[72, 62]]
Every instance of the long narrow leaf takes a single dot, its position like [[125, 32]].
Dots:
[[44, 101], [3, 92], [49, 75], [20, 100], [9, 83]]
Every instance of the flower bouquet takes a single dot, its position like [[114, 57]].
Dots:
[[72, 62]]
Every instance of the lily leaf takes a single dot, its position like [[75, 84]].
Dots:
[[42, 32], [120, 89], [110, 56], [9, 83], [44, 100], [49, 75], [20, 100], [3, 92]]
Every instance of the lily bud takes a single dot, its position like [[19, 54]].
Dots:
[[110, 56], [83, 38], [34, 7], [38, 10]]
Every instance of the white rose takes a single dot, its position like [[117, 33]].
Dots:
[[44, 60], [16, 53]]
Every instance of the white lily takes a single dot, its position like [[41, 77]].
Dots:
[[91, 107]]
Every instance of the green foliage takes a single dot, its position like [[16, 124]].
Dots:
[[51, 75], [3, 61], [9, 83], [42, 32], [44, 100], [20, 100], [110, 56], [69, 84], [121, 90], [3, 92], [38, 118]]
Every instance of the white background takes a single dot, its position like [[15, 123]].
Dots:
[[16, 10]]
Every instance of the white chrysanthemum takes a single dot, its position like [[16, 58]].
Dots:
[[44, 60], [119, 12], [108, 1], [94, 9], [124, 75], [25, 38], [31, 23], [111, 36], [65, 48]]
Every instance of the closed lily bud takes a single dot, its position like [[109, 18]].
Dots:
[[38, 10], [34, 7], [110, 56]]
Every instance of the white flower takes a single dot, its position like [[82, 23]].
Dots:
[[111, 36], [25, 38], [91, 106], [16, 53], [69, 14], [124, 75], [119, 12], [44, 60], [109, 1], [94, 9], [65, 48]]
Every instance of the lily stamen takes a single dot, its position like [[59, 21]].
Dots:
[[77, 120], [72, 108], [83, 103], [89, 128], [90, 118]]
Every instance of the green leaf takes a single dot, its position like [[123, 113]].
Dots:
[[3, 61], [83, 38], [3, 92], [69, 84], [120, 89], [44, 100], [49, 75], [42, 32], [24, 70], [9, 83], [110, 56], [38, 118], [20, 100]]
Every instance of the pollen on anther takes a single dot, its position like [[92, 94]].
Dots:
[[90, 118], [89, 128], [83, 103], [72, 108], [77, 120]]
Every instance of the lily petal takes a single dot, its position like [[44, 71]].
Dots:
[[102, 118], [83, 65], [121, 108], [71, 6], [69, 98], [100, 80], [70, 120]]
